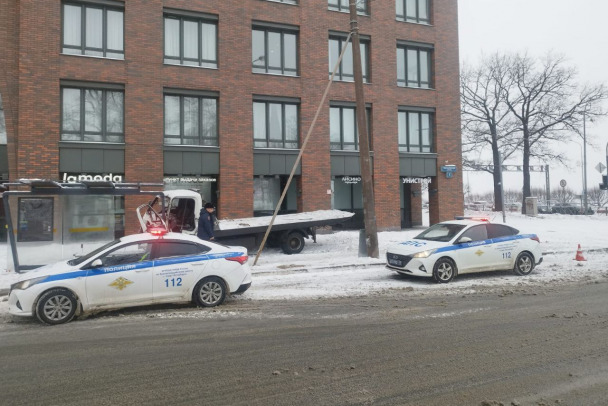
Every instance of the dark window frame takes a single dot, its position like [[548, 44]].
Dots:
[[156, 249], [417, 19], [343, 6], [181, 59], [355, 144], [83, 48], [424, 148], [283, 139], [340, 75], [200, 137], [104, 111], [292, 2], [470, 232], [406, 82], [265, 67]]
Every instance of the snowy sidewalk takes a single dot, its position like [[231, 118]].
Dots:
[[332, 267]]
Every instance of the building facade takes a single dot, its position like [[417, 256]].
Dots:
[[219, 95]]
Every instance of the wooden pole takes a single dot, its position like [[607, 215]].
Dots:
[[369, 206]]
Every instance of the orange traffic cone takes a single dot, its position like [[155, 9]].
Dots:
[[579, 254]]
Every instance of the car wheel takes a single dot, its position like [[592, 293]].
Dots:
[[56, 306], [210, 292], [524, 264], [293, 243], [444, 270]]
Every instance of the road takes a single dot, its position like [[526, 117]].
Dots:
[[513, 346]]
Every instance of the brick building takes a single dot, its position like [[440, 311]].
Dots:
[[218, 96]]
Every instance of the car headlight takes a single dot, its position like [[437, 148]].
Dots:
[[27, 283], [423, 254]]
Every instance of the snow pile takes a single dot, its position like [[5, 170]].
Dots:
[[295, 218]]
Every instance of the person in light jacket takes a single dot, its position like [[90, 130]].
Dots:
[[206, 222]]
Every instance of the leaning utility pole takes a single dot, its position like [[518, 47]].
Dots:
[[369, 207]]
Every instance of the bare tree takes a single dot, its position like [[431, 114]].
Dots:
[[487, 123], [563, 195], [597, 197], [548, 105]]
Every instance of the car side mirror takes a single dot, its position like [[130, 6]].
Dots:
[[96, 264], [464, 240]]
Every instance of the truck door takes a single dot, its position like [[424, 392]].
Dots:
[[181, 215]]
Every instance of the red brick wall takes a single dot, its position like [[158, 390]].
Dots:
[[449, 200], [9, 73], [36, 114]]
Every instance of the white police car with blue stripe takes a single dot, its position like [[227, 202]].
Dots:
[[447, 249], [141, 269]]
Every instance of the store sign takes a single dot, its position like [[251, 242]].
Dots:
[[189, 179], [423, 181], [80, 177], [351, 180]]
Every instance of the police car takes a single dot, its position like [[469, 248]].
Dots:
[[464, 246], [147, 268]]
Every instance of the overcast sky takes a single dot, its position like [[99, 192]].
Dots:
[[576, 29]]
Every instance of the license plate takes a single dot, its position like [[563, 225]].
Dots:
[[395, 262]]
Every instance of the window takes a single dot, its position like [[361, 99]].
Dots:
[[285, 1], [343, 129], [440, 232], [95, 115], [166, 249], [413, 11], [275, 125], [342, 5], [191, 120], [274, 51], [347, 193], [267, 192], [35, 222], [190, 41], [95, 30], [475, 233], [500, 230], [345, 71], [413, 66], [181, 215], [128, 254], [3, 140], [415, 131]]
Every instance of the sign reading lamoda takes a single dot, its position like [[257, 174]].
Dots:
[[79, 177]]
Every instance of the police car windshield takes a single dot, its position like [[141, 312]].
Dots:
[[84, 258], [440, 232]]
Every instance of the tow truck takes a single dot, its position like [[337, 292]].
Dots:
[[179, 212]]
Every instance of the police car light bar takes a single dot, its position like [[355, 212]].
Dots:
[[471, 218], [157, 231]]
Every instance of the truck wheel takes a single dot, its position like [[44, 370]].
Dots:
[[293, 243]]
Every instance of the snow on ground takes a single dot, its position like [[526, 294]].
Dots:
[[331, 267]]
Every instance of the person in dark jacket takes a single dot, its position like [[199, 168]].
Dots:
[[206, 222]]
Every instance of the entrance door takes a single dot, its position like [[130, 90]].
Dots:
[[406, 206]]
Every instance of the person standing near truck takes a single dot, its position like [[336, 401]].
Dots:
[[206, 223]]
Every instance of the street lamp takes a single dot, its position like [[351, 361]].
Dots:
[[584, 163]]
